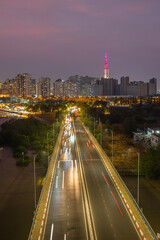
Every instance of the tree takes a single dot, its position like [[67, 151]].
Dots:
[[129, 126], [150, 163]]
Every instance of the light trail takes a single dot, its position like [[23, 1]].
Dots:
[[63, 181], [52, 227], [117, 203], [105, 179], [72, 165], [85, 158], [76, 164], [90, 155], [58, 163]]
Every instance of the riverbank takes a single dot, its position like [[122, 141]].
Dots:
[[149, 198], [17, 196]]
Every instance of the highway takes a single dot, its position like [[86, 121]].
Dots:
[[111, 219], [67, 212], [65, 217]]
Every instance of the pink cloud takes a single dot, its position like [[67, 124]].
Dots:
[[84, 9], [18, 31]]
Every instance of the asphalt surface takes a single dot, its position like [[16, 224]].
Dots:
[[111, 219], [66, 215]]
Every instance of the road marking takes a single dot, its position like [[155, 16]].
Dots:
[[76, 164], [90, 155], [64, 236], [51, 236], [105, 179], [56, 181], [58, 163], [63, 180], [117, 203], [85, 158], [72, 165]]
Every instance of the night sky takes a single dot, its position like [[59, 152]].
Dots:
[[59, 38]]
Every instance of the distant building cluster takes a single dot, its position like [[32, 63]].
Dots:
[[81, 86], [78, 86], [24, 86]]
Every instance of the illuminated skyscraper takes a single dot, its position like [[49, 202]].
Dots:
[[106, 69]]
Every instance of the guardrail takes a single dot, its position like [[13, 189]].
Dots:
[[47, 180], [122, 182]]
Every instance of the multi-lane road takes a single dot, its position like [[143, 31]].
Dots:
[[85, 203], [65, 217]]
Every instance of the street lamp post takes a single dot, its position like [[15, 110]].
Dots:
[[112, 141], [112, 145], [138, 154], [100, 123]]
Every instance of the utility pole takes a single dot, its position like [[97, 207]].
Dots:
[[112, 141], [48, 148]]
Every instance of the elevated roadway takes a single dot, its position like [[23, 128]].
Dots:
[[86, 198]]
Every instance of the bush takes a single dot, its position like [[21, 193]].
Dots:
[[17, 152], [23, 162]]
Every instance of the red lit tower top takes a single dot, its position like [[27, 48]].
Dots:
[[106, 69]]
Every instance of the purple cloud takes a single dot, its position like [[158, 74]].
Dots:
[[70, 36]]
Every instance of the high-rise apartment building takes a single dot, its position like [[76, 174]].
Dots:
[[152, 87], [137, 88], [23, 83], [43, 87], [124, 82], [110, 86], [59, 88], [33, 87], [96, 87], [70, 89], [85, 89], [18, 86]]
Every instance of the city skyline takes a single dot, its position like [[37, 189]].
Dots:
[[59, 39]]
